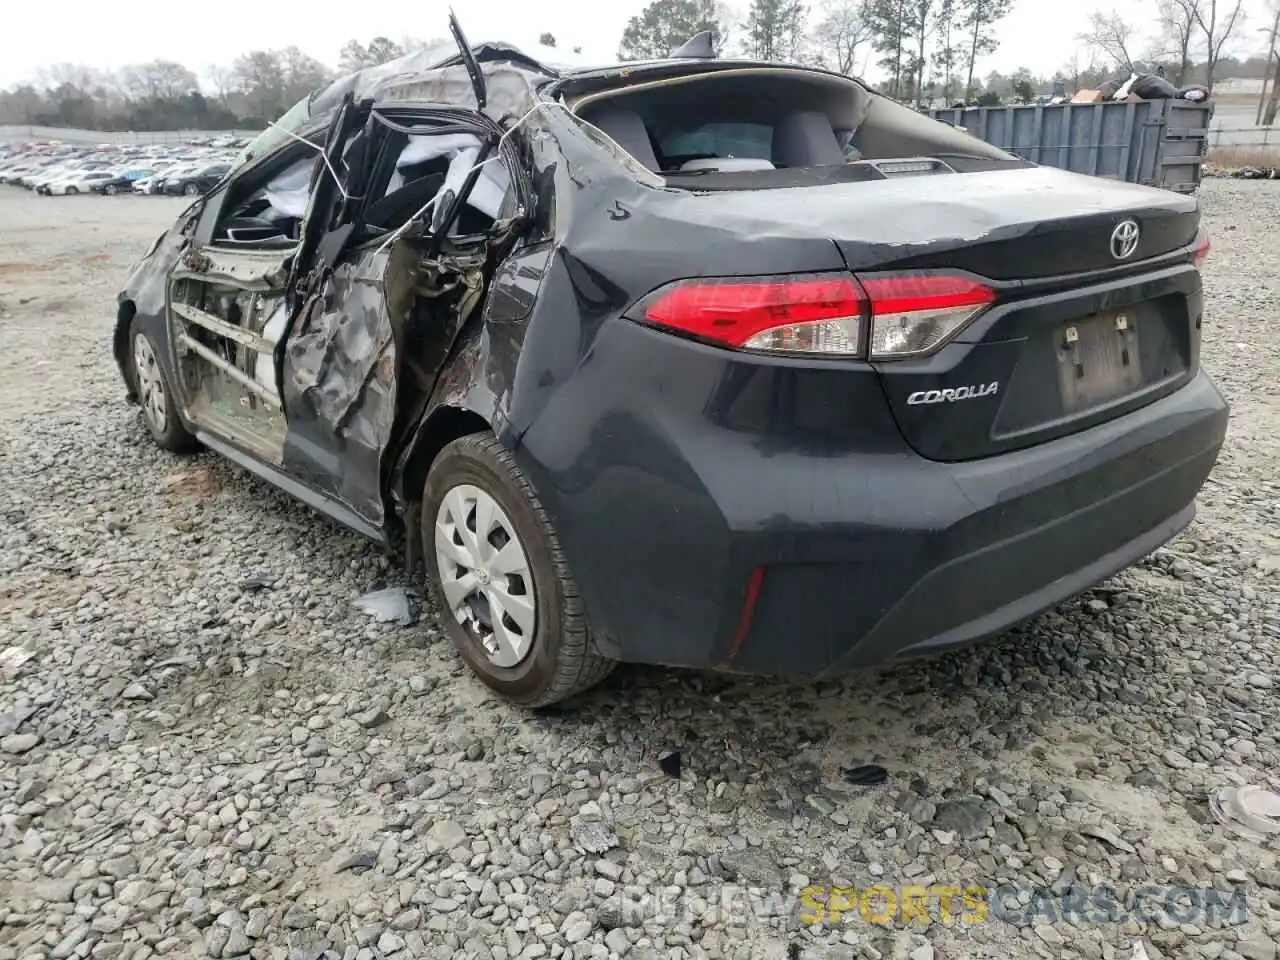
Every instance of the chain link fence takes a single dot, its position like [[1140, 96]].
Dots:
[[115, 138]]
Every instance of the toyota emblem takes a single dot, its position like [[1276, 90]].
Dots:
[[1124, 239]]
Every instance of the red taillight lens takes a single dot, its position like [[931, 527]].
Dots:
[[794, 314], [1202, 248], [916, 313], [908, 314]]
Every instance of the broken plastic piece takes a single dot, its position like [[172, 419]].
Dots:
[[670, 764], [867, 775], [387, 606], [1250, 812]]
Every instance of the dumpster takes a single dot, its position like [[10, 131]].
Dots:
[[1162, 143]]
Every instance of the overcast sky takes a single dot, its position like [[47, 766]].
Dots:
[[1039, 34]]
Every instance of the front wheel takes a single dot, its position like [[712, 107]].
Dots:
[[71, 191], [155, 396], [498, 578], [109, 190]]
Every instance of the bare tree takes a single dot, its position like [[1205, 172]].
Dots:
[[354, 55], [947, 56], [1073, 70], [69, 76], [1218, 20], [1178, 28], [1112, 36], [922, 20], [979, 19], [890, 34], [223, 80], [776, 29], [158, 80], [1267, 107], [840, 34]]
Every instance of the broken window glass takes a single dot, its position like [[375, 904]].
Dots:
[[461, 150]]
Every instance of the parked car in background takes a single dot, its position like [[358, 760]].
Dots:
[[82, 181], [15, 173], [156, 184], [37, 164], [121, 182], [196, 180]]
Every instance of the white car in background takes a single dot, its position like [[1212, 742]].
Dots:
[[15, 173], [78, 182], [38, 178], [42, 183]]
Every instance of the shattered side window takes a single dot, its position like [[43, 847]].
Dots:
[[430, 168], [288, 193]]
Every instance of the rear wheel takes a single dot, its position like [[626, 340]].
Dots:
[[191, 189], [71, 191], [154, 395], [499, 580]]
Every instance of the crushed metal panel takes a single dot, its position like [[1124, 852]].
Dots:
[[340, 379], [253, 270]]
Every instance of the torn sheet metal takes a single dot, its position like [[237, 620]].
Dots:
[[340, 378]]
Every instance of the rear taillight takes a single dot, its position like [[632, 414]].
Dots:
[[913, 314], [881, 316], [817, 313], [1200, 252]]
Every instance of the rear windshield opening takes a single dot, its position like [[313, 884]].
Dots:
[[765, 126], [746, 120]]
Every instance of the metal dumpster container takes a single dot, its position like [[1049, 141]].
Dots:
[[1162, 143]]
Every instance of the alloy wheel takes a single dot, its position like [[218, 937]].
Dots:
[[151, 393], [485, 575]]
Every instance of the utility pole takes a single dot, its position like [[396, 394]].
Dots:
[[1271, 55]]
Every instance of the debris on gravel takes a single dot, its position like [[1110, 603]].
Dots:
[[207, 749]]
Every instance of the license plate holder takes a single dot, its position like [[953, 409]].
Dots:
[[1098, 359]]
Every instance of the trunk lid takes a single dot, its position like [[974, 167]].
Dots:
[[1080, 332], [1084, 329], [1009, 224]]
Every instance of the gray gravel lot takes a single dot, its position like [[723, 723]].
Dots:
[[211, 752]]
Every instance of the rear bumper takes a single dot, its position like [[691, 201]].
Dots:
[[865, 554]]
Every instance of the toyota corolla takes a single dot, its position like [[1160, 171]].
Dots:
[[697, 362]]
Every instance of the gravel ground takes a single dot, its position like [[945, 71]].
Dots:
[[212, 752]]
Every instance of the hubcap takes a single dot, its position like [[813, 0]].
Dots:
[[484, 572], [150, 383]]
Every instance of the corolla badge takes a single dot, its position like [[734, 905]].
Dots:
[[952, 394]]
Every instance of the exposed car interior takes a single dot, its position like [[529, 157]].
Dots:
[[752, 119], [430, 167], [265, 211]]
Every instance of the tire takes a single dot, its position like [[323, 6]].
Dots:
[[158, 411], [70, 191], [191, 190], [109, 190], [559, 659]]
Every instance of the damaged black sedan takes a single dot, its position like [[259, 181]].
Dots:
[[692, 362]]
